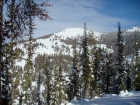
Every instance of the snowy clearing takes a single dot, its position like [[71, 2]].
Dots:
[[132, 98]]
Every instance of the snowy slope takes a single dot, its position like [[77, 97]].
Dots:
[[125, 98], [74, 32], [55, 40]]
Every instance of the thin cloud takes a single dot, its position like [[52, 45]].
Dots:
[[71, 14]]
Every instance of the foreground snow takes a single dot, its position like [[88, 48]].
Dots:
[[132, 98]]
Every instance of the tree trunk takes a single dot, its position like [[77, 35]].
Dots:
[[1, 34]]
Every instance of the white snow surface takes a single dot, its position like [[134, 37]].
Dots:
[[124, 98], [74, 32], [133, 29], [70, 32]]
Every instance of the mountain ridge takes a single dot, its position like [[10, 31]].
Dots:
[[73, 32]]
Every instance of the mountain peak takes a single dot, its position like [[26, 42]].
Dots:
[[73, 32], [70, 32]]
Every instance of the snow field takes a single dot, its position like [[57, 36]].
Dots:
[[124, 98]]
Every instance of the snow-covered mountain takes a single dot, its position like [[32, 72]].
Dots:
[[58, 39], [74, 32], [133, 29], [63, 40]]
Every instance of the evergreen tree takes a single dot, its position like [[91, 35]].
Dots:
[[97, 72], [16, 85], [59, 94], [42, 78], [1, 41], [137, 68], [85, 65], [73, 86], [5, 75], [38, 89], [129, 76], [92, 44], [13, 26], [29, 63], [108, 74], [59, 87], [48, 74], [121, 74]]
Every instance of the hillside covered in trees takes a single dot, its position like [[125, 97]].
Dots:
[[73, 64]]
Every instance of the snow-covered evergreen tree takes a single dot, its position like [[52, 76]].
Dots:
[[13, 28], [97, 71], [58, 94], [137, 68], [129, 76], [85, 65], [59, 87], [120, 73], [5, 78], [47, 69], [109, 74], [73, 86], [92, 44]]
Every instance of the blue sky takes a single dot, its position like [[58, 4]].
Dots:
[[99, 15]]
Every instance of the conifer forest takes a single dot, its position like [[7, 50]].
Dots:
[[78, 69]]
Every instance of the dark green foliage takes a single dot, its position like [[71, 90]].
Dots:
[[96, 73], [137, 67], [73, 86], [120, 60], [5, 80], [13, 28], [108, 74], [85, 65], [1, 42], [43, 76], [59, 87]]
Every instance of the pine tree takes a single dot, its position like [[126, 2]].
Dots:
[[41, 66], [8, 52], [59, 87], [108, 74], [85, 65], [97, 72], [73, 86], [137, 68], [5, 78], [120, 61], [1, 41], [92, 44], [38, 89], [13, 26], [129, 76], [17, 80], [29, 63], [48, 74]]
